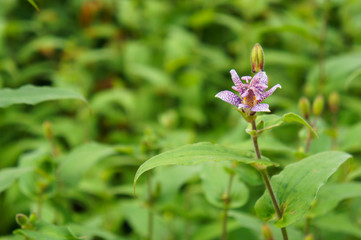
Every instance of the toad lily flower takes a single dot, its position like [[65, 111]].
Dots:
[[252, 94]]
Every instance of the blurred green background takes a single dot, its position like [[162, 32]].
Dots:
[[149, 71]]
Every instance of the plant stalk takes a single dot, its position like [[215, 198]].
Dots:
[[334, 126], [322, 49], [309, 136], [267, 181], [227, 201], [150, 204], [307, 226]]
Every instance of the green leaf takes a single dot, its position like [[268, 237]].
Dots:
[[77, 162], [32, 95], [297, 185], [136, 215], [47, 42], [272, 121], [46, 231], [292, 117], [34, 5], [350, 138], [192, 154], [171, 180], [9, 175], [93, 231], [339, 223], [331, 194], [41, 181], [213, 231], [255, 225], [248, 174], [345, 66], [215, 182]]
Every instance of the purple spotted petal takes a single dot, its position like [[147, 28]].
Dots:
[[241, 89], [246, 78], [229, 97], [235, 78], [260, 79], [262, 107], [245, 94], [244, 106], [268, 93]]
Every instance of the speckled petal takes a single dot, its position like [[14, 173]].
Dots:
[[245, 94], [268, 93], [260, 79], [246, 78], [262, 107], [244, 106], [235, 78], [229, 97]]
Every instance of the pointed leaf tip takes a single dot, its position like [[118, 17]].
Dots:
[[34, 5]]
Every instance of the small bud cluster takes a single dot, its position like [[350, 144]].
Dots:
[[26, 222], [317, 106]]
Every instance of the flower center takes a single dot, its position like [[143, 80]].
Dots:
[[250, 99]]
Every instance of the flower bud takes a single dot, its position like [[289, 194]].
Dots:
[[305, 107], [334, 102], [257, 58], [309, 237], [33, 218], [267, 232], [317, 107], [21, 219], [48, 130]]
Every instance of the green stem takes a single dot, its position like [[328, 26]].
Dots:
[[150, 204], [227, 201], [187, 205], [40, 204], [267, 181], [307, 226], [321, 56], [309, 136], [334, 126]]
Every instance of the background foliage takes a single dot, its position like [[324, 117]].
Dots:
[[149, 71]]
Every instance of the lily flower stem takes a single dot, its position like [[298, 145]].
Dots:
[[227, 202], [267, 181]]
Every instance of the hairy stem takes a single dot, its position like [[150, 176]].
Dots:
[[267, 181], [227, 201]]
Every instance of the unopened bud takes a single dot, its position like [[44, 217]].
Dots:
[[267, 232], [33, 218], [21, 219], [334, 102], [305, 107], [309, 237], [48, 130], [318, 105], [257, 58]]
